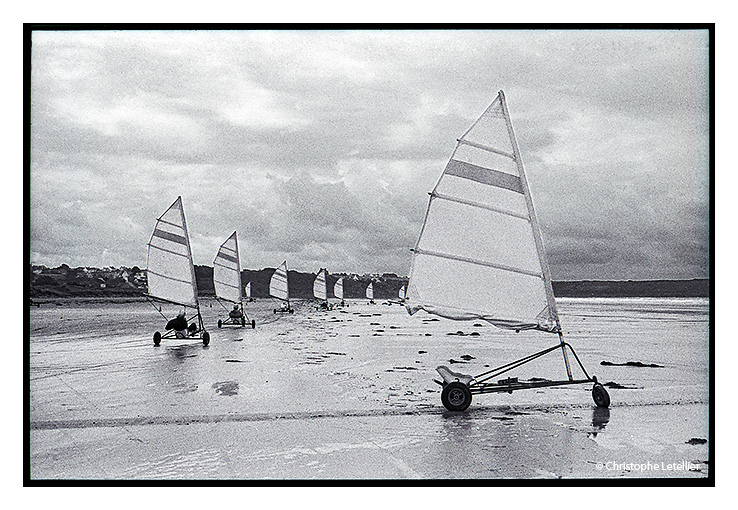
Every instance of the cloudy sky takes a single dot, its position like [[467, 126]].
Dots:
[[320, 147]]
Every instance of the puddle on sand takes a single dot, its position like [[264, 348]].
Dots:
[[226, 388]]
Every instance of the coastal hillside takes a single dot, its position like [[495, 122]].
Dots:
[[65, 281]]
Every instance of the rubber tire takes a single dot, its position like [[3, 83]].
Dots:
[[243, 321], [456, 396], [220, 323], [291, 310], [253, 324], [205, 338], [600, 396], [157, 338]]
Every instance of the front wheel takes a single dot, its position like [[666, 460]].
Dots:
[[600, 396], [220, 323], [456, 396], [205, 338], [157, 338]]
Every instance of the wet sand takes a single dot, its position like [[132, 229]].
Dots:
[[348, 394]]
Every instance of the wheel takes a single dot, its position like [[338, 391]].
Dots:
[[600, 396], [253, 324], [275, 310], [456, 396], [291, 310], [205, 338], [243, 321], [157, 338], [220, 323]]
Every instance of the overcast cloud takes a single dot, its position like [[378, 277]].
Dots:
[[320, 147]]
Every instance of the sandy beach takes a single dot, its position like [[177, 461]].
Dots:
[[348, 394]]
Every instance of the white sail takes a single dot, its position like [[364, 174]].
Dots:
[[278, 284], [227, 271], [320, 289], [401, 293], [169, 269], [370, 291], [247, 290], [480, 253], [338, 289]]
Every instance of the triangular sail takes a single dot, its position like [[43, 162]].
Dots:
[[278, 284], [370, 291], [170, 272], [401, 293], [247, 290], [227, 271], [320, 289], [338, 289], [480, 253]]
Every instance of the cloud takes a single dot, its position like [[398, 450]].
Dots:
[[321, 146]]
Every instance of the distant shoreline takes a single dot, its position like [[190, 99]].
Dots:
[[633, 288], [79, 300], [130, 283]]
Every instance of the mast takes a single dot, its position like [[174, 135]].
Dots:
[[169, 267], [533, 220], [279, 284], [550, 297], [320, 285], [238, 277], [480, 253], [287, 282], [189, 252], [227, 271]]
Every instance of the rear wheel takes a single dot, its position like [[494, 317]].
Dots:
[[456, 396], [157, 338], [205, 338], [600, 396], [243, 321], [253, 324]]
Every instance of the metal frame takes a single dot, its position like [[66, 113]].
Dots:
[[171, 333], [324, 306], [285, 307], [230, 321], [478, 385]]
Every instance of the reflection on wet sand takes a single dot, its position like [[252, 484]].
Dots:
[[180, 352], [600, 418]]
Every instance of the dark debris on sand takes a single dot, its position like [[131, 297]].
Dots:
[[631, 364], [696, 440], [618, 386]]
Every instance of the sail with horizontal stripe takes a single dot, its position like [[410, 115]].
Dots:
[[320, 289], [480, 253], [338, 289], [170, 272], [227, 271], [278, 287], [370, 291]]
